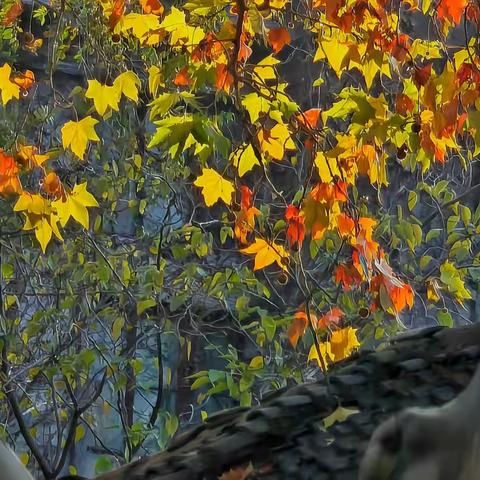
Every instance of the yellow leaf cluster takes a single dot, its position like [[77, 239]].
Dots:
[[43, 216], [108, 96]]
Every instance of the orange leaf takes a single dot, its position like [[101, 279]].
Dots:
[[117, 13], [24, 80], [299, 325], [182, 79], [12, 14], [451, 9], [9, 181], [53, 187], [152, 6], [241, 473], [310, 118], [246, 197], [223, 78], [345, 225], [333, 317], [278, 38], [245, 223]]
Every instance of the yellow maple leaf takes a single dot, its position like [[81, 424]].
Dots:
[[327, 167], [274, 142], [181, 33], [214, 187], [141, 25], [40, 217], [266, 254], [343, 342], [155, 80], [127, 83], [75, 205], [8, 88], [75, 135], [103, 96], [265, 69], [29, 155], [244, 159]]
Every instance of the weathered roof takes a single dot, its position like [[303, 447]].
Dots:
[[284, 437]]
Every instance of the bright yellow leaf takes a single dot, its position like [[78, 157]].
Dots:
[[327, 167], [29, 155], [75, 135], [343, 342], [265, 69], [8, 88], [155, 80], [103, 96], [244, 159], [335, 51], [274, 142], [214, 187], [140, 25], [266, 254], [127, 83], [75, 205]]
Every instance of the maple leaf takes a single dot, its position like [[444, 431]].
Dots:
[[24, 80], [245, 223], [152, 6], [244, 159], [74, 204], [103, 96], [299, 326], [348, 276], [75, 135], [223, 78], [296, 225], [332, 317], [39, 217], [266, 254], [9, 181], [343, 342], [117, 12], [182, 79], [309, 118], [214, 187], [29, 157], [278, 38], [12, 14], [451, 9], [53, 187], [8, 88], [127, 83], [274, 142]]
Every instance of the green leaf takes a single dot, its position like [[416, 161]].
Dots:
[[412, 200]]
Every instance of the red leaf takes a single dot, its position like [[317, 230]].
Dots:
[[296, 225], [278, 38], [422, 75], [12, 14]]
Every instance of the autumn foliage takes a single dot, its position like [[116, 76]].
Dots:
[[344, 185]]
